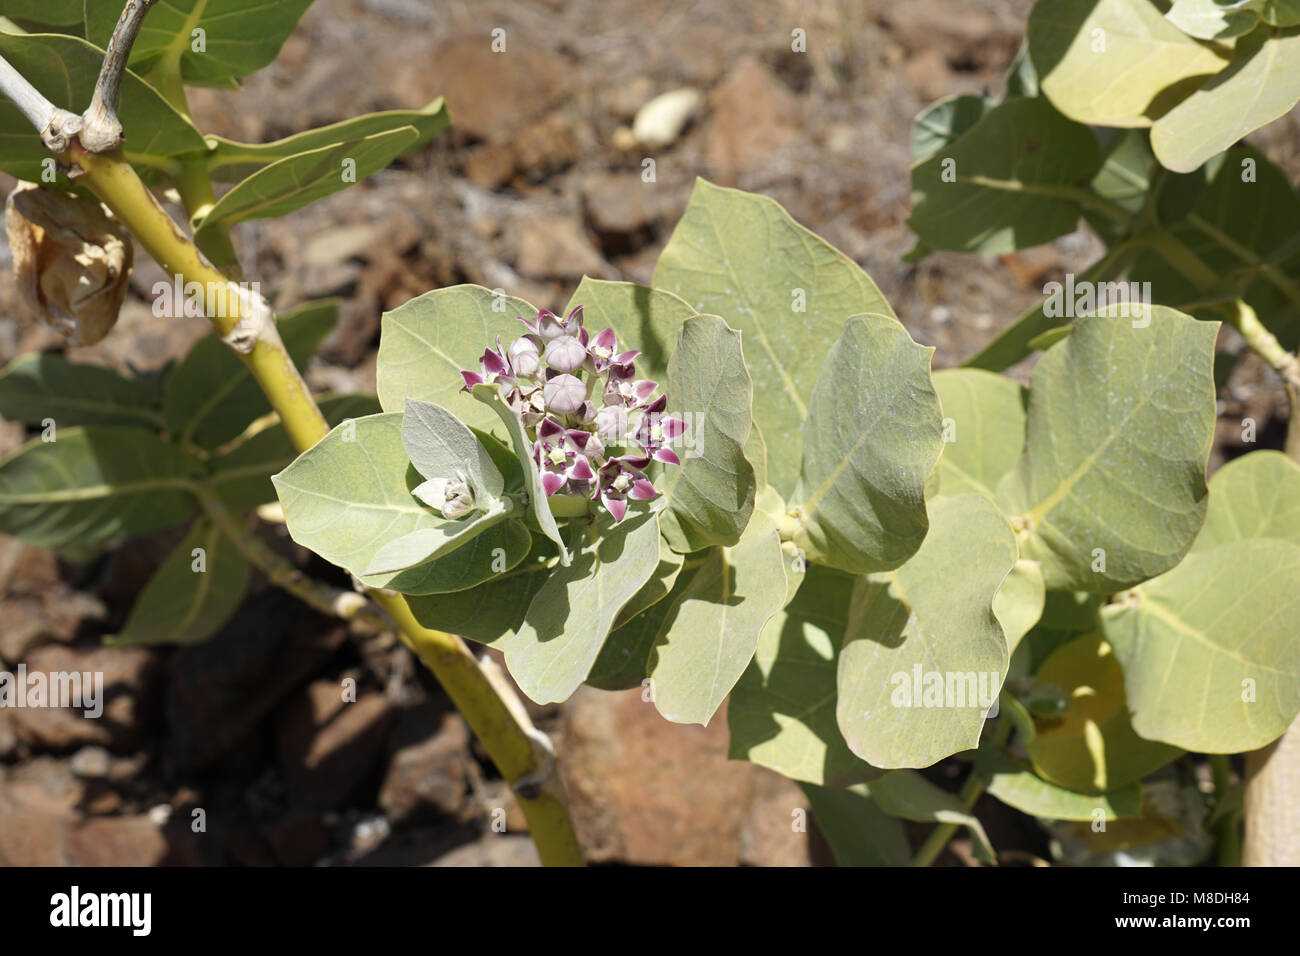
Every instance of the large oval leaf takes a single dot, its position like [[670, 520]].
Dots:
[[983, 430], [36, 387], [645, 319]]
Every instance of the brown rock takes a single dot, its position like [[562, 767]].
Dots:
[[645, 791], [115, 841], [126, 682], [546, 147], [754, 116], [426, 777], [491, 165], [493, 849], [555, 247], [329, 749], [622, 210]]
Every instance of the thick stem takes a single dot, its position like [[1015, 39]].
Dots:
[[1228, 827], [519, 751]]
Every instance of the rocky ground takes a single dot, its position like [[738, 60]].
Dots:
[[529, 191]]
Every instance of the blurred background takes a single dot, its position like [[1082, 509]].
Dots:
[[535, 185]]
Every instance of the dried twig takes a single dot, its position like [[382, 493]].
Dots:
[[55, 125], [101, 129]]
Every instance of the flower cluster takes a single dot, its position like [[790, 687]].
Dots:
[[595, 426]]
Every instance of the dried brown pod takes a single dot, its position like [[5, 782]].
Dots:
[[70, 259]]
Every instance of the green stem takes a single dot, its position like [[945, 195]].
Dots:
[[495, 716], [970, 792], [1228, 827]]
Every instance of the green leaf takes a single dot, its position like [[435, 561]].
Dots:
[[93, 484], [490, 395], [710, 496], [742, 257], [943, 122], [493, 611], [1019, 602], [1252, 497], [709, 634], [1209, 649], [1012, 180], [350, 494], [1092, 747], [1114, 62], [241, 477], [63, 13], [872, 438], [782, 711], [40, 386], [288, 184], [211, 396], [1111, 488], [923, 655], [441, 447], [230, 161], [422, 545], [496, 550], [426, 342], [1260, 84], [644, 319], [858, 831], [573, 612], [983, 429], [184, 602], [239, 36], [1016, 785], [65, 69], [1281, 13], [1022, 78], [1214, 19], [906, 794]]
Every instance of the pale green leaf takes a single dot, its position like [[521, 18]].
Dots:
[[93, 484], [709, 634], [858, 831], [623, 660], [496, 550], [1016, 785], [710, 496], [924, 656], [644, 319], [906, 794], [1111, 488], [1012, 180], [1114, 62], [1253, 497], [572, 613], [422, 545], [40, 386], [741, 257], [441, 447], [186, 602], [1214, 19], [944, 121], [872, 438], [1019, 602], [1260, 84], [983, 429]]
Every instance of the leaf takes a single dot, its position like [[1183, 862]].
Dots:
[[426, 342], [710, 496], [417, 547], [1114, 62], [1260, 84], [1253, 497], [741, 257], [709, 634], [211, 396], [782, 711], [1209, 649], [644, 319], [1281, 13], [230, 161], [858, 831], [983, 430], [490, 395], [64, 69], [62, 13], [923, 655], [623, 661], [93, 484], [871, 440], [1019, 602], [40, 386], [1016, 785], [1092, 748], [241, 477], [239, 36], [291, 183], [1110, 490], [350, 494], [1011, 181], [906, 794], [943, 122], [1022, 78], [573, 612], [496, 550], [1213, 19], [441, 447], [181, 605], [491, 612]]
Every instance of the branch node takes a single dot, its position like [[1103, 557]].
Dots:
[[102, 130], [256, 319], [61, 130]]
